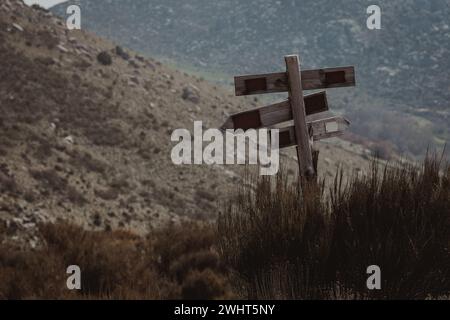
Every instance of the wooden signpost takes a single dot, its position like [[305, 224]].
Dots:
[[275, 113], [296, 108]]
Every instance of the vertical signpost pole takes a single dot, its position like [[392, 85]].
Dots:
[[304, 154]]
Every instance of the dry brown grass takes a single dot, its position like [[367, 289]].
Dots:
[[281, 245]]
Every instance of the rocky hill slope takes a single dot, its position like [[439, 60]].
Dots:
[[85, 132]]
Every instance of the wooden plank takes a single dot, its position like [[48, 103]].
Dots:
[[275, 113], [321, 129], [261, 83], [304, 153], [328, 78], [311, 80], [328, 128]]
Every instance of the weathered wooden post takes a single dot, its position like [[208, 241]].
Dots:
[[304, 154]]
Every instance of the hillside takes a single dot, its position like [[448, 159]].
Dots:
[[403, 86], [90, 143], [92, 207]]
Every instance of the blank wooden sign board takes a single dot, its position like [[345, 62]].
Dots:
[[275, 113], [296, 108]]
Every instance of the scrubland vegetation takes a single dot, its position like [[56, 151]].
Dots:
[[282, 245], [173, 263], [272, 242]]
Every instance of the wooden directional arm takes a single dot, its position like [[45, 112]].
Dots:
[[320, 129], [311, 79], [275, 113]]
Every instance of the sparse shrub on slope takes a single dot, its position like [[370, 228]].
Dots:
[[177, 262], [104, 58], [282, 246]]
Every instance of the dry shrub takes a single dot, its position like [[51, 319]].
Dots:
[[105, 135], [30, 275], [398, 219], [282, 245], [107, 194], [206, 284], [8, 184], [168, 198], [270, 234], [47, 39], [104, 259], [75, 197], [88, 162], [108, 262], [44, 150], [119, 182], [185, 253], [50, 180], [176, 262]]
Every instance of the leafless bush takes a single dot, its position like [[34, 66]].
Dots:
[[282, 245]]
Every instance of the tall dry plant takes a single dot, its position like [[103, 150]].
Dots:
[[284, 244]]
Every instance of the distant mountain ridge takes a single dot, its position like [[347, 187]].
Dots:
[[407, 57], [401, 68]]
